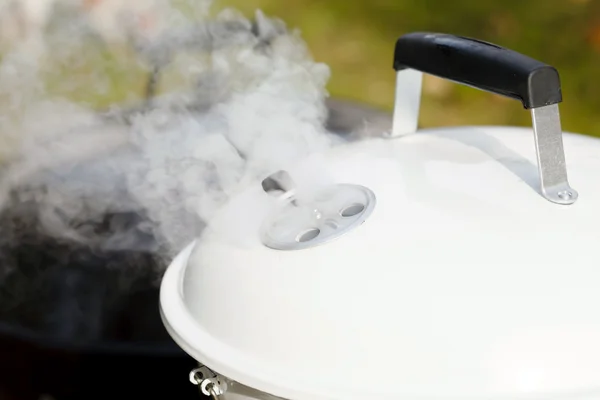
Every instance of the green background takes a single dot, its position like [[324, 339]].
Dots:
[[356, 39]]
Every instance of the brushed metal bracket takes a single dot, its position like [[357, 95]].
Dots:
[[552, 167]]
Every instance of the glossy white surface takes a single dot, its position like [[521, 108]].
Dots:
[[464, 283]]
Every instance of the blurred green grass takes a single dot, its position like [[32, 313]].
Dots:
[[356, 39]]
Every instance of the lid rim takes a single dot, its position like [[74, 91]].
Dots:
[[193, 332], [185, 331]]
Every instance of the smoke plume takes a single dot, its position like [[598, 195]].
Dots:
[[96, 200], [248, 100]]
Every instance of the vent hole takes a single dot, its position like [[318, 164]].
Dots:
[[307, 235], [352, 210]]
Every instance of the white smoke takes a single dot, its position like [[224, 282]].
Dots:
[[252, 103]]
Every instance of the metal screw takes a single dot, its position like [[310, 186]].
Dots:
[[565, 195]]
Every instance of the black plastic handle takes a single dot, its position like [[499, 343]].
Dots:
[[479, 64]]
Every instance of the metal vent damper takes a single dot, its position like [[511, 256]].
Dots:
[[306, 221]]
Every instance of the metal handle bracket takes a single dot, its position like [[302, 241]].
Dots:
[[551, 155]]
